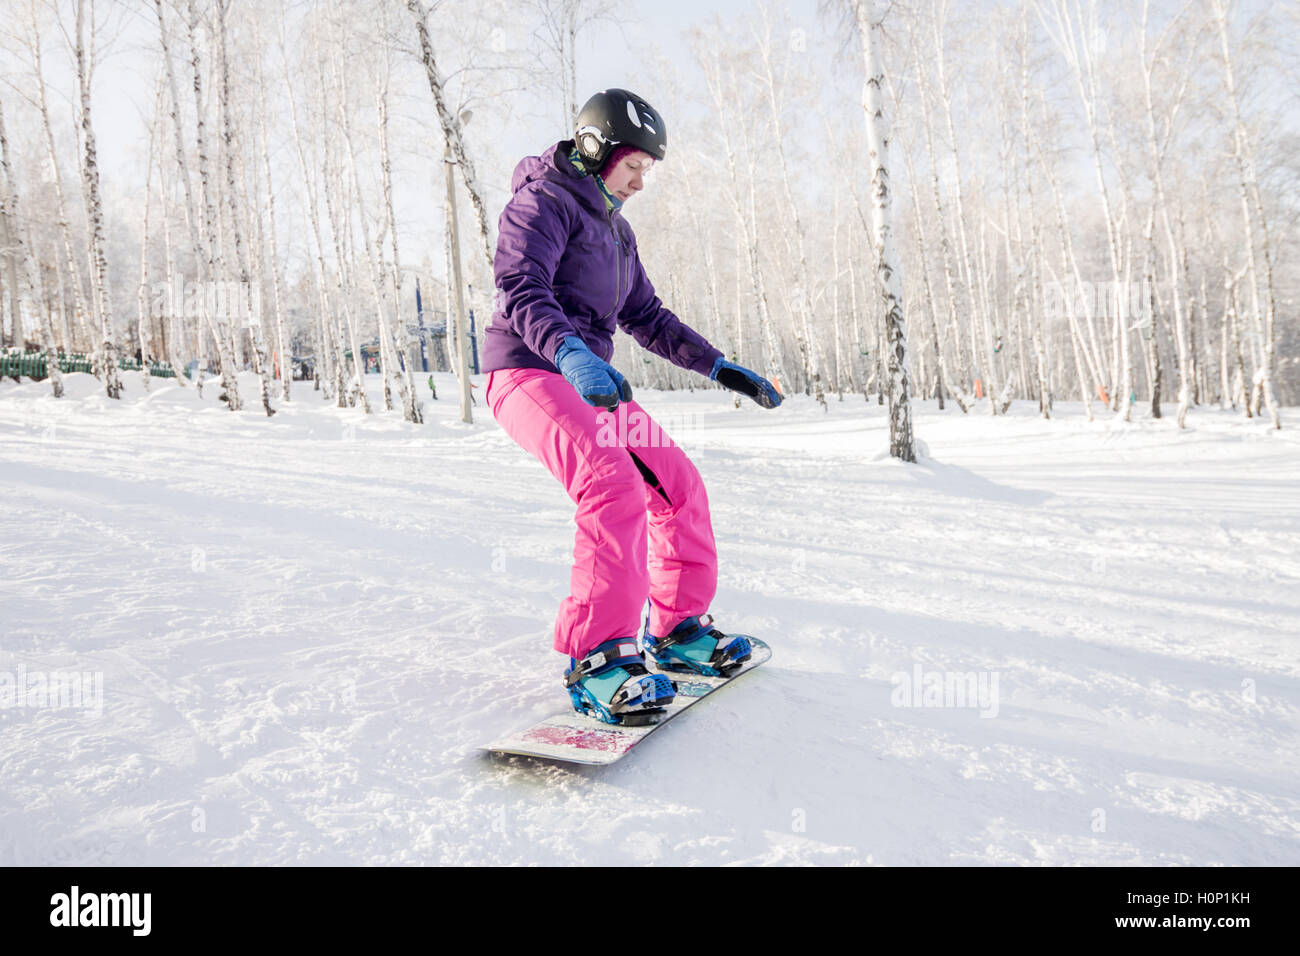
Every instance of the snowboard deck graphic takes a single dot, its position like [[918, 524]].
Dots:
[[575, 738]]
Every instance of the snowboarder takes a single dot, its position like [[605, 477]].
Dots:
[[567, 275]]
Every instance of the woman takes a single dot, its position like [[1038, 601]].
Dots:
[[567, 275]]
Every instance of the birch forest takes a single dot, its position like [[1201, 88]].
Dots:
[[1092, 203]]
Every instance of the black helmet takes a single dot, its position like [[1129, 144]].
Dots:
[[617, 118]]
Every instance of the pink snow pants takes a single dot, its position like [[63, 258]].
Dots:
[[630, 483]]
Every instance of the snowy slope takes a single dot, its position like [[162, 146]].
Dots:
[[305, 626]]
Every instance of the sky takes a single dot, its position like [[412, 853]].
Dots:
[[609, 55], [624, 54], [628, 53]]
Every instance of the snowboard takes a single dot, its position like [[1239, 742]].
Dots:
[[576, 738]]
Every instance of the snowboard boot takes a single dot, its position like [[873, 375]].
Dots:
[[612, 684], [696, 645]]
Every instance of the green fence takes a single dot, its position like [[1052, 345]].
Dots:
[[32, 365]]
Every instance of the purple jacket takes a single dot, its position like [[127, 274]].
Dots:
[[567, 266]]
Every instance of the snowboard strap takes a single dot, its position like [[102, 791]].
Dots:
[[592, 662], [705, 622]]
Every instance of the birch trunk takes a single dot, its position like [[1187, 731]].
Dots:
[[376, 282], [1248, 188], [329, 354], [272, 247], [249, 310], [142, 291], [411, 409], [12, 250], [974, 312], [1087, 356], [69, 260], [24, 252], [1184, 352], [183, 173], [745, 214], [808, 342], [941, 371], [208, 253], [99, 280], [171, 318], [337, 212], [1035, 316], [52, 365], [1078, 53], [962, 390], [901, 443]]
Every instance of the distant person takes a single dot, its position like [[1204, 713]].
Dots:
[[567, 275]]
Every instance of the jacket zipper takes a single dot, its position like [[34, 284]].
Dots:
[[618, 253]]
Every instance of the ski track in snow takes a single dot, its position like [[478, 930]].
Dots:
[[307, 625]]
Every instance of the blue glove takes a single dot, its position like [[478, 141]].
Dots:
[[746, 382], [598, 382]]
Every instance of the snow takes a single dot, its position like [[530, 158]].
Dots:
[[305, 626]]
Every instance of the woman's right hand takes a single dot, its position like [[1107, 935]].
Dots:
[[598, 382], [749, 383]]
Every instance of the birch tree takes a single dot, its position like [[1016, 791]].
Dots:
[[741, 190], [1076, 37], [560, 24], [99, 276], [249, 311], [808, 343], [1157, 145], [1254, 222], [451, 126], [270, 244], [142, 289], [208, 249], [11, 244], [411, 409], [891, 287]]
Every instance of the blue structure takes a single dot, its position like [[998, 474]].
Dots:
[[473, 338], [435, 334], [419, 320], [473, 341]]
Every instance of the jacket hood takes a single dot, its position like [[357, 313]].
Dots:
[[553, 166], [529, 169]]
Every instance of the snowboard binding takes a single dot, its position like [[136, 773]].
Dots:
[[613, 685], [696, 646]]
